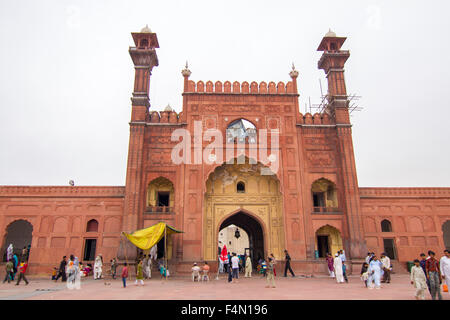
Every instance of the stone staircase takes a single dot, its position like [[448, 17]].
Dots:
[[399, 267]]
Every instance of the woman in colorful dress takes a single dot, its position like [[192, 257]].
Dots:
[[330, 263]]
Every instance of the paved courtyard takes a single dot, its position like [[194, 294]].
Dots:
[[180, 288]]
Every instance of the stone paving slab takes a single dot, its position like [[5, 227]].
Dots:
[[298, 288]]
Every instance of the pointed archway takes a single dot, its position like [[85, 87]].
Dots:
[[248, 191], [254, 230], [18, 233]]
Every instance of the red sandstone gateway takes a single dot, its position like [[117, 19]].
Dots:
[[311, 206]]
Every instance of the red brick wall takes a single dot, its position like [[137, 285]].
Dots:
[[416, 215], [59, 217]]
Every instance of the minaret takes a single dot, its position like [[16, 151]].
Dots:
[[186, 74], [332, 62], [144, 59]]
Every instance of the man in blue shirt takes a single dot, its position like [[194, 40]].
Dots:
[[342, 255]]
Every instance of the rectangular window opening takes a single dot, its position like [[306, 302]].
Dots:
[[319, 199], [163, 199]]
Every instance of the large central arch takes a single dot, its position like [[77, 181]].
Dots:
[[254, 229], [241, 194]]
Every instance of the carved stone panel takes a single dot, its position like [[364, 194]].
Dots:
[[320, 159]]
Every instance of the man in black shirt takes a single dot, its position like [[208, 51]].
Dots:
[[62, 270], [288, 264]]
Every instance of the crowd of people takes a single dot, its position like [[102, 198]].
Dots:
[[336, 266], [144, 264], [427, 273], [72, 270], [15, 265], [233, 265]]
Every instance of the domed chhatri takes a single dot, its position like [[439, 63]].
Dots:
[[146, 29], [330, 34], [168, 108], [186, 72], [293, 73]]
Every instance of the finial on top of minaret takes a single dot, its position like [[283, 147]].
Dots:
[[330, 33], [293, 73], [146, 29], [186, 72]]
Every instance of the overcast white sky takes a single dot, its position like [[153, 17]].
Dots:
[[66, 78]]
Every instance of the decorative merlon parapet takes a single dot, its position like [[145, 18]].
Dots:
[[238, 88], [404, 192], [62, 191], [317, 119], [165, 117]]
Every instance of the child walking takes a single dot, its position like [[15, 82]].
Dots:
[[364, 273]]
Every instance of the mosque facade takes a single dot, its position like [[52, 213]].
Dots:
[[238, 154]]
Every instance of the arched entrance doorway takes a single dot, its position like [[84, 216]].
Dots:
[[446, 234], [254, 231], [244, 194], [19, 233], [328, 240]]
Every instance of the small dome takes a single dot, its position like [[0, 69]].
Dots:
[[146, 29], [168, 108], [330, 34]]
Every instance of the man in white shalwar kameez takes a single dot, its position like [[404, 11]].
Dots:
[[445, 267], [148, 267], [419, 280], [375, 272], [248, 267], [338, 269], [98, 267]]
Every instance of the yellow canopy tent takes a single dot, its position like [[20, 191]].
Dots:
[[148, 237]]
